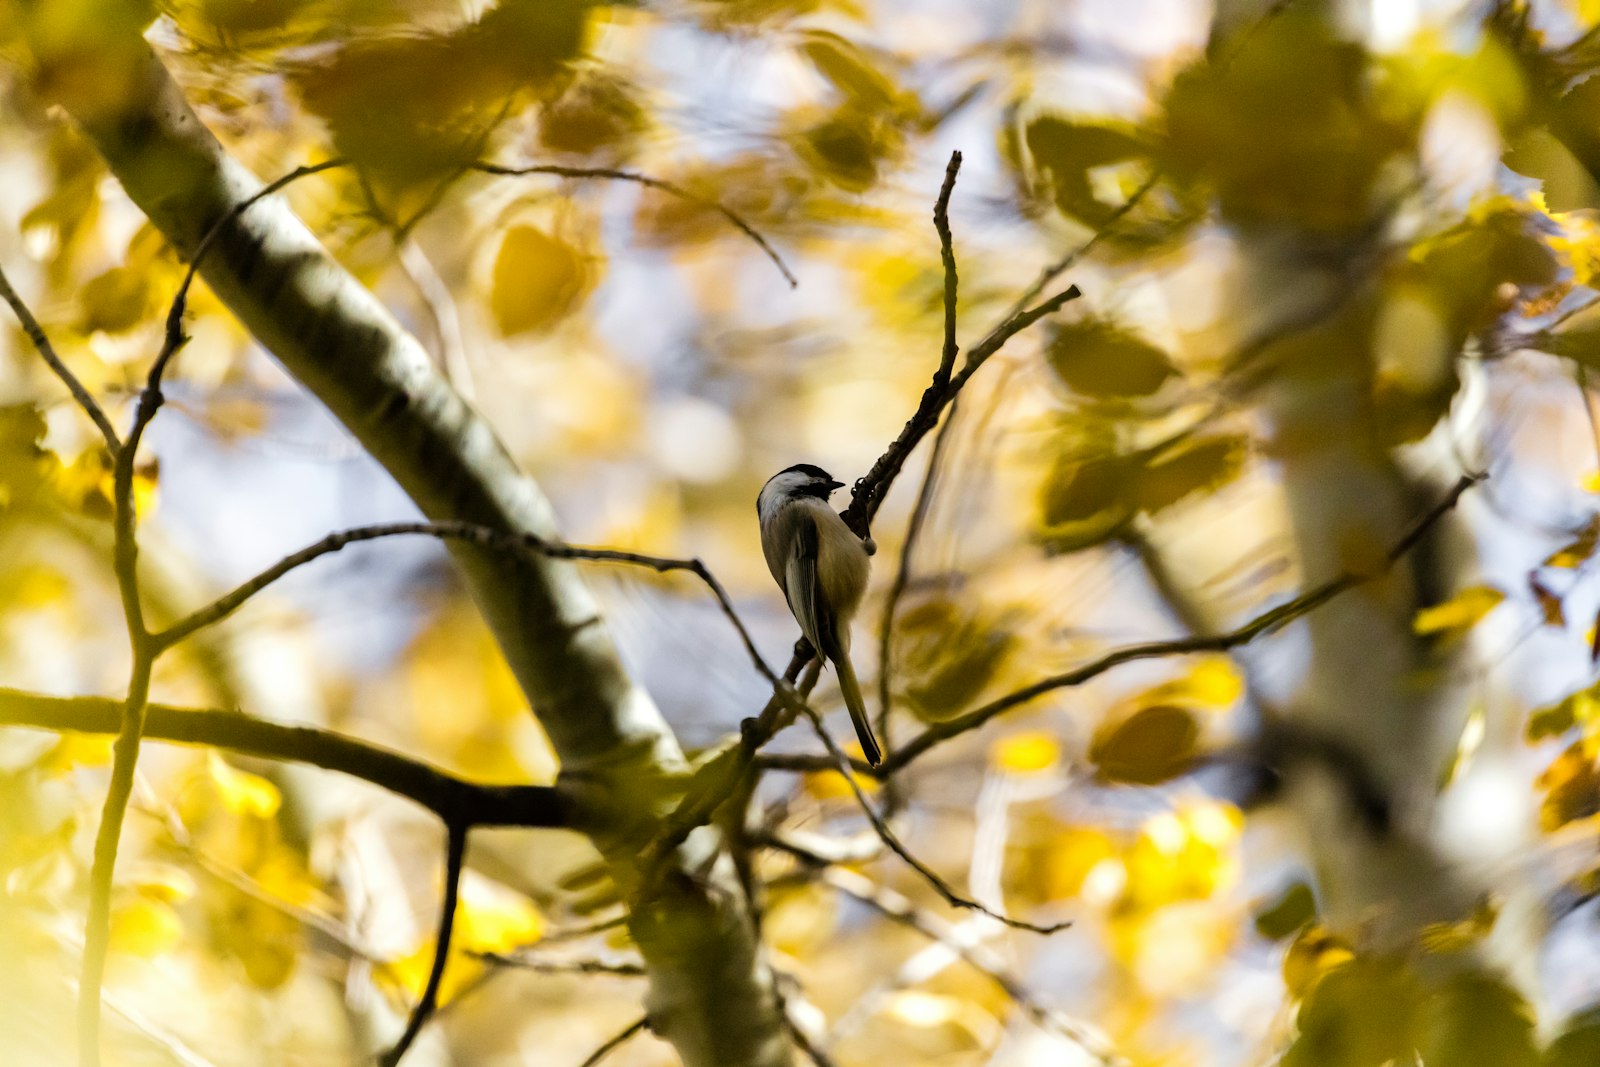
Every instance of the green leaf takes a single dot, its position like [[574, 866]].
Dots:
[[1067, 150], [1476, 1020], [1099, 358], [1366, 1013], [1293, 909], [1152, 745]]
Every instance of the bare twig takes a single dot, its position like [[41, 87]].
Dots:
[[622, 1037], [902, 574], [455, 854], [1054, 270], [947, 256], [47, 352], [842, 763], [445, 795], [483, 536], [526, 962], [174, 333], [679, 191], [899, 908]]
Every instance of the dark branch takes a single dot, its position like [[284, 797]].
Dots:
[[526, 962], [947, 256], [47, 352], [679, 191], [455, 854], [449, 797]]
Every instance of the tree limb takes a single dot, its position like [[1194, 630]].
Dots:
[[455, 856]]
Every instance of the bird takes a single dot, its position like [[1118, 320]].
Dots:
[[821, 566]]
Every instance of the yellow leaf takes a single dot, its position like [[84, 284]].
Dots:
[[1025, 753], [1073, 854], [493, 918], [1214, 682], [244, 793], [538, 280], [1591, 482], [145, 927], [1313, 954], [1577, 552], [831, 785], [164, 882], [800, 920], [1150, 746], [1572, 789], [1460, 613]]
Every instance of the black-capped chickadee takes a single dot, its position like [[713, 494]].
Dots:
[[821, 566]]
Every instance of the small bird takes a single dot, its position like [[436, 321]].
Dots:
[[821, 566]]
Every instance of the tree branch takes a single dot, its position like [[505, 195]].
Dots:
[[633, 1029], [445, 795], [455, 855]]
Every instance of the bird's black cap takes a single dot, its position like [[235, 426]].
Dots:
[[809, 469]]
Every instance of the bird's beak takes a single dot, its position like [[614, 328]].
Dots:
[[835, 485]]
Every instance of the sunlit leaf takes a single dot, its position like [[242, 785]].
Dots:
[[1072, 856], [145, 926], [1314, 952], [1086, 501], [1030, 752], [243, 793], [949, 648], [847, 66], [799, 920], [1150, 746], [538, 280], [1458, 614], [1571, 785]]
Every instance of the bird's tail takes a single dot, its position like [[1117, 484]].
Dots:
[[858, 709]]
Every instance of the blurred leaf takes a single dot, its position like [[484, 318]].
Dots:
[[1571, 785], [1071, 855], [1184, 855], [1148, 747], [1458, 614], [116, 300], [1288, 132], [1086, 501], [848, 146], [145, 926], [1578, 1044], [1099, 358], [1475, 1019], [1030, 752], [490, 918], [1548, 600], [1068, 150], [1581, 708], [241, 792], [1195, 464], [1577, 552], [800, 919], [1365, 1013], [949, 648], [599, 114], [848, 68], [1291, 910], [1314, 952], [1213, 682], [538, 280]]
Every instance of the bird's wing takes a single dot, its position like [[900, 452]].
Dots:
[[803, 589]]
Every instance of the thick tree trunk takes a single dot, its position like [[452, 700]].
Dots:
[[711, 994]]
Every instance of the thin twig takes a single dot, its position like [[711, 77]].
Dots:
[[902, 574], [455, 855], [947, 257], [616, 1041], [174, 333], [525, 962], [899, 908], [47, 352], [1054, 270], [679, 191], [484, 536], [841, 762]]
